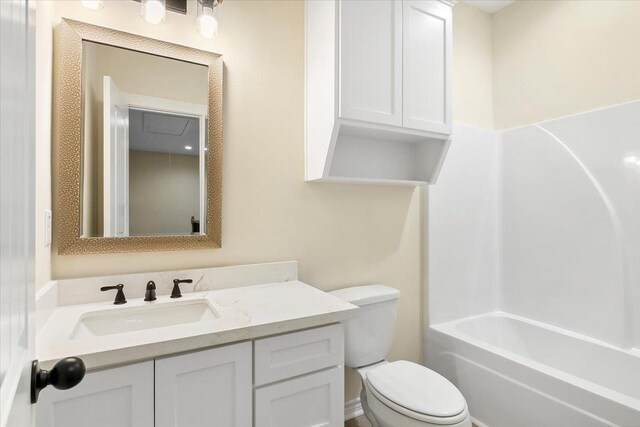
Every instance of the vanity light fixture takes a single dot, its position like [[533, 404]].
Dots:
[[207, 18], [153, 11], [92, 4]]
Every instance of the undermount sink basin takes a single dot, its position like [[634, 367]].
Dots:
[[149, 316]]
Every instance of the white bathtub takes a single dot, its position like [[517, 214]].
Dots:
[[515, 372]]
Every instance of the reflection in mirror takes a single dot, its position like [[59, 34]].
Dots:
[[144, 144]]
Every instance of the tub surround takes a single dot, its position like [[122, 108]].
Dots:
[[550, 247], [245, 313], [554, 231]]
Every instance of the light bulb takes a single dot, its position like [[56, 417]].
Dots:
[[207, 22], [153, 11], [92, 4]]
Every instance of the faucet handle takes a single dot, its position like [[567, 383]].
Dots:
[[120, 298], [175, 293]]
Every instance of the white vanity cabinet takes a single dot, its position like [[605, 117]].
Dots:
[[212, 387], [216, 387], [117, 397], [378, 89]]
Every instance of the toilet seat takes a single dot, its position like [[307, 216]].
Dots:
[[417, 392]]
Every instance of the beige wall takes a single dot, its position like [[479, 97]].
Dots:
[[472, 67], [148, 75], [164, 193], [342, 235], [555, 58], [538, 60], [92, 153]]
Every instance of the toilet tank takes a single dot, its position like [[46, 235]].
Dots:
[[368, 337]]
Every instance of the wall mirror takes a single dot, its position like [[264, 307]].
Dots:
[[140, 143]]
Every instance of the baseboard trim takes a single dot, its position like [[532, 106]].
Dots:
[[352, 409]]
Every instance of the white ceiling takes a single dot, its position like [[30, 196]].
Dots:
[[163, 132], [489, 6]]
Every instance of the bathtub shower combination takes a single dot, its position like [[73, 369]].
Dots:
[[534, 271]]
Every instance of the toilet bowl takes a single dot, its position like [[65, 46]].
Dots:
[[405, 394], [400, 393]]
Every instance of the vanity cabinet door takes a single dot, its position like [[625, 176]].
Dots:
[[427, 65], [314, 400], [209, 388], [117, 397]]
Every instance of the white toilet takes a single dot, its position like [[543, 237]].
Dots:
[[401, 393]]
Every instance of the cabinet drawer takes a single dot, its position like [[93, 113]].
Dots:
[[289, 355], [314, 400]]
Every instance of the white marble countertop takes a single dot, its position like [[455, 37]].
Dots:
[[246, 313]]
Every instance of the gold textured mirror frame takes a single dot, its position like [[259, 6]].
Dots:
[[72, 34]]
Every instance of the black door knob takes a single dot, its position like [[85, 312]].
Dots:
[[65, 374]]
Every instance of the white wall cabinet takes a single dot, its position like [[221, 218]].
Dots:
[[377, 90], [205, 388], [214, 387], [118, 397]]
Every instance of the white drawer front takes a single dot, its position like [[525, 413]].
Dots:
[[314, 400], [289, 355]]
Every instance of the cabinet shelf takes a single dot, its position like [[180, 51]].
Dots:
[[364, 155]]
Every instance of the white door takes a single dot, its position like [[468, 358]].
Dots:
[[203, 122], [371, 61], [427, 69], [115, 160], [117, 397], [17, 210], [210, 388], [314, 400]]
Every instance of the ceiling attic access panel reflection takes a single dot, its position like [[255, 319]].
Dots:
[[144, 136]]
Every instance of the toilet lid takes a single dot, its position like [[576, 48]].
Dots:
[[417, 388]]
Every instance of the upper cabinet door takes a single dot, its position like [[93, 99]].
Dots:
[[427, 41], [371, 61]]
